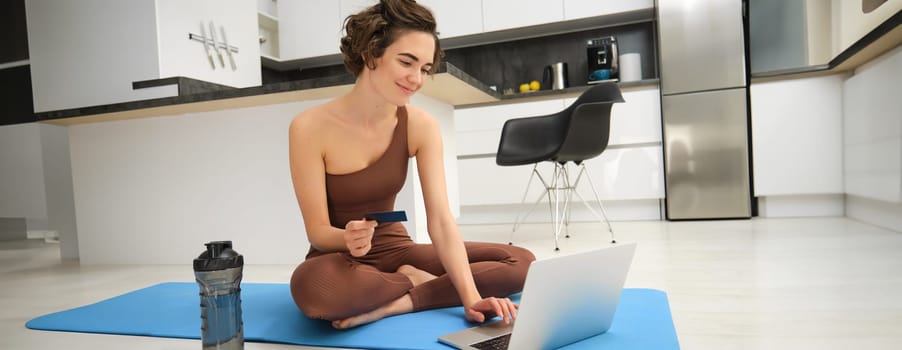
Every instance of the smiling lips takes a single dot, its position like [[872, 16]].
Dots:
[[406, 90]]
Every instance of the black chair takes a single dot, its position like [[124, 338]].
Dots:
[[574, 135]]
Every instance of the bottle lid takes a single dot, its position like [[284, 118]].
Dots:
[[218, 256]]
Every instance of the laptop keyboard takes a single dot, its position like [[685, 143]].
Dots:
[[496, 343]]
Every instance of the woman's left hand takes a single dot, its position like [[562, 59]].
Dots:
[[490, 307]]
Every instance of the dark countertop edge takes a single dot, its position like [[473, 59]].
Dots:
[[469, 79], [301, 85], [108, 108], [225, 92], [878, 32], [550, 94], [155, 82], [185, 84]]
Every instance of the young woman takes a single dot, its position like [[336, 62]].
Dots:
[[349, 157]]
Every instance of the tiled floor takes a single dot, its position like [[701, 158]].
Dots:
[[826, 283]]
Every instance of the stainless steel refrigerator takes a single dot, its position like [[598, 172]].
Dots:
[[704, 109]]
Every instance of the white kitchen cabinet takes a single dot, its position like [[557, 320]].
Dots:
[[628, 173], [268, 26], [309, 28], [479, 129], [618, 174], [797, 136], [482, 182], [507, 14], [637, 120], [314, 28], [456, 18], [233, 23], [350, 7], [90, 52], [269, 7], [574, 9]]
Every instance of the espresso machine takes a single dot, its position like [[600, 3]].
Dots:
[[602, 58]]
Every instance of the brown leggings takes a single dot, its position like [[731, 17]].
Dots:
[[337, 285]]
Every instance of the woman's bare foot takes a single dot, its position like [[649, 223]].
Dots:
[[416, 276], [399, 306]]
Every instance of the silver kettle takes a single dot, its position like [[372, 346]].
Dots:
[[555, 75]]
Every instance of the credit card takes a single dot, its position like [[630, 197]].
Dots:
[[387, 216]]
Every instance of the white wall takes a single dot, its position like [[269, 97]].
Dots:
[[182, 57], [88, 52], [154, 190], [22, 191], [168, 184], [872, 123], [35, 181]]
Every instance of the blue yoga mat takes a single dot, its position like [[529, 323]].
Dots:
[[172, 310]]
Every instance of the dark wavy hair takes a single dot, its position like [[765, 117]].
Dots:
[[369, 32]]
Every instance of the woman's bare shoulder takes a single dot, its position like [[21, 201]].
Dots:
[[418, 118], [312, 121], [312, 128], [422, 129], [308, 118]]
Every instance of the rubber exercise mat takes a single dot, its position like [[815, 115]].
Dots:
[[643, 320]]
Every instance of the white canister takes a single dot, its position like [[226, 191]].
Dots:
[[630, 67]]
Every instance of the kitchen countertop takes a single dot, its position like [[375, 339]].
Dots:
[[450, 85], [572, 91]]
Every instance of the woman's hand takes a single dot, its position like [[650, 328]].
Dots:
[[491, 307], [359, 236]]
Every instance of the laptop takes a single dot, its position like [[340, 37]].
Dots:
[[565, 299]]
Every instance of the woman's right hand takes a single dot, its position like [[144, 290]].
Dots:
[[359, 236]]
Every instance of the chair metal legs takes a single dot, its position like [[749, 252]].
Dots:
[[560, 193], [584, 170], [517, 221]]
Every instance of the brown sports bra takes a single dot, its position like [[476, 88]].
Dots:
[[374, 188]]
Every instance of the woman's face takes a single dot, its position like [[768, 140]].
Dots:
[[403, 68]]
